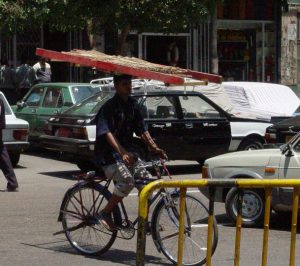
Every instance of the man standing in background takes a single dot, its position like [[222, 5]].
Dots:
[[25, 77], [42, 71], [8, 81]]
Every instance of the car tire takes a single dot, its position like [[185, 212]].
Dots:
[[250, 144], [85, 165], [253, 206], [14, 158]]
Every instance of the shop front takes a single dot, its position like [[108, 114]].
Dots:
[[248, 40], [247, 50], [166, 49]]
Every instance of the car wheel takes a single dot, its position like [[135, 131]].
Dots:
[[250, 144], [252, 209], [14, 158], [85, 165]]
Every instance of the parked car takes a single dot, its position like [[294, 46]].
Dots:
[[279, 163], [15, 135], [185, 123], [47, 99], [282, 131]]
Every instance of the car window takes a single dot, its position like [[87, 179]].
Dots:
[[80, 93], [53, 98], [194, 106], [91, 105], [34, 98], [158, 107]]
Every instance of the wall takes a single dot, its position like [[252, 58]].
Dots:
[[289, 49]]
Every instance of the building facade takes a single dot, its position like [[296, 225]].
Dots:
[[256, 41]]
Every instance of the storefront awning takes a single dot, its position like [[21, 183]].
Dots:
[[128, 65]]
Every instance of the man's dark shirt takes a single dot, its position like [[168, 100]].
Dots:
[[122, 120]]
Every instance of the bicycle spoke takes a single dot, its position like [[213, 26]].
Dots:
[[81, 207], [195, 234]]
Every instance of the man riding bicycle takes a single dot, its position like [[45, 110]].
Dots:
[[117, 121]]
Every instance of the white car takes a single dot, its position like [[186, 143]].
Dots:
[[15, 135], [283, 162]]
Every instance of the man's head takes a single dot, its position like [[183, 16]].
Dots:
[[123, 85]]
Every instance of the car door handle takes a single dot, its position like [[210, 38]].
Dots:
[[189, 125]]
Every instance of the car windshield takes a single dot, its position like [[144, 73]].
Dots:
[[81, 92], [91, 105]]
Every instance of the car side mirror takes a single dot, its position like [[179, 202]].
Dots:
[[21, 104]]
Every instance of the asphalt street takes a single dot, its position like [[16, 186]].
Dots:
[[29, 219]]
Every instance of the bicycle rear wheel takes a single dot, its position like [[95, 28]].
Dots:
[[165, 228], [79, 219]]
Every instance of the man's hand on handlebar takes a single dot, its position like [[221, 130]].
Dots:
[[161, 153]]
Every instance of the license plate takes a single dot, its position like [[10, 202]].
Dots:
[[63, 132]]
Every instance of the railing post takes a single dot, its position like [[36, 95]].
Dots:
[[294, 225], [266, 225], [142, 223], [181, 226], [238, 227], [212, 192]]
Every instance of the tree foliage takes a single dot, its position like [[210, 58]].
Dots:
[[141, 15]]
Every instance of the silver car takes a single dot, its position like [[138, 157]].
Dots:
[[283, 162]]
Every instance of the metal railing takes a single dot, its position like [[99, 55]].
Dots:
[[267, 185]]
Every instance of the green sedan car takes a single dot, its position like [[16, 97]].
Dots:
[[47, 99]]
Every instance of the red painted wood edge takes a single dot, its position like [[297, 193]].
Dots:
[[109, 67], [204, 76]]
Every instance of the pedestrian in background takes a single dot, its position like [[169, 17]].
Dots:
[[25, 78], [5, 163], [42, 71], [8, 81]]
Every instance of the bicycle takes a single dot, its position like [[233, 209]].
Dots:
[[82, 203]]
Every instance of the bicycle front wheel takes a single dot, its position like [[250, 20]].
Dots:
[[165, 228], [80, 222]]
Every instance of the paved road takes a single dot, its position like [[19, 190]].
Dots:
[[28, 219]]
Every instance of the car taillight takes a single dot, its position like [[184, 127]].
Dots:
[[204, 172], [270, 137], [79, 133], [20, 134]]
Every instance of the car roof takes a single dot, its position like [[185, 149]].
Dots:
[[64, 84]]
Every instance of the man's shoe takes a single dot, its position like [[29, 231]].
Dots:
[[106, 220], [12, 189]]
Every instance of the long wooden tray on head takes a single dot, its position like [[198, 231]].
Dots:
[[128, 65]]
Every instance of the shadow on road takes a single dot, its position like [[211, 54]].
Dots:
[[113, 255], [69, 175]]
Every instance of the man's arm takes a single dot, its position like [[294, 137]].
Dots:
[[152, 145], [114, 143]]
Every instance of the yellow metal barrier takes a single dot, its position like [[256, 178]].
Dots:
[[239, 183]]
